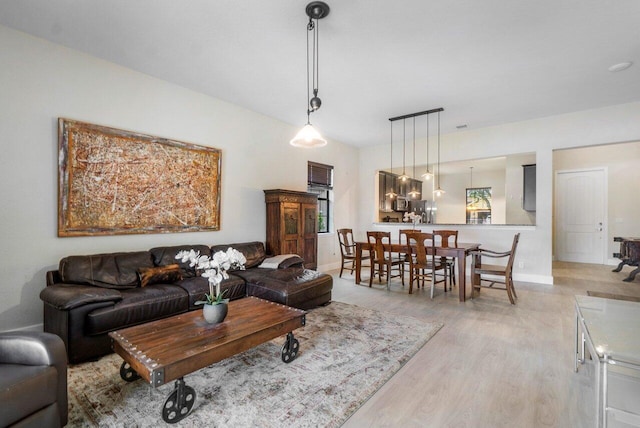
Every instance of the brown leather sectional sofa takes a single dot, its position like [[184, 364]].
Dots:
[[89, 296]]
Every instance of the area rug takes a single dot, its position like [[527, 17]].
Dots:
[[346, 354], [613, 296]]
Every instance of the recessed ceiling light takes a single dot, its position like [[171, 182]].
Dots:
[[461, 126], [621, 66]]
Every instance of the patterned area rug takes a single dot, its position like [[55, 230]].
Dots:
[[346, 354]]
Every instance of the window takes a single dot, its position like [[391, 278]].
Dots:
[[479, 205], [320, 182]]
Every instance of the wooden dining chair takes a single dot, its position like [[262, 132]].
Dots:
[[383, 260], [445, 239], [402, 239], [348, 250], [424, 264], [505, 272]]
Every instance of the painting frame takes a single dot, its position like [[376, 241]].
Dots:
[[114, 182]]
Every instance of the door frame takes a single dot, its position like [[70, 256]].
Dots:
[[605, 214]]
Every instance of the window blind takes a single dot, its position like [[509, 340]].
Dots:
[[320, 175]]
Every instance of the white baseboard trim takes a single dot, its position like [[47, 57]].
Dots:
[[35, 327], [613, 262], [328, 267], [524, 277], [537, 279]]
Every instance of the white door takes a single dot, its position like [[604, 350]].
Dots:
[[581, 215]]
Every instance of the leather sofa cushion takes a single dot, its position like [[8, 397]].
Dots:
[[114, 270], [292, 287], [198, 286], [253, 251], [69, 296], [163, 256], [137, 306], [25, 389]]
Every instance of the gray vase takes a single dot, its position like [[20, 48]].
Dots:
[[215, 314]]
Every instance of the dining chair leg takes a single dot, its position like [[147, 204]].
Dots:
[[513, 289], [373, 272], [433, 283], [411, 277], [341, 268]]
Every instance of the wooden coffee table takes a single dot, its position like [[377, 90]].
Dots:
[[168, 349]]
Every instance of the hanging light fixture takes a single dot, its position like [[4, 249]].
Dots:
[[308, 136], [427, 174], [414, 191], [438, 192], [404, 176], [391, 194]]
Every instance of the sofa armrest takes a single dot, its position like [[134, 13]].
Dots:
[[36, 348], [32, 348], [68, 296]]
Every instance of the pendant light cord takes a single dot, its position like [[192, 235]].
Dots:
[[391, 126], [309, 29], [427, 144], [438, 150], [414, 148], [404, 140], [316, 58]]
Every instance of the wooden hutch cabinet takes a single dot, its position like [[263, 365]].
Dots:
[[292, 219]]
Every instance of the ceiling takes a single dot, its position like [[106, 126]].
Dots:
[[485, 62]]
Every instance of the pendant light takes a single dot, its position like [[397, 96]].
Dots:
[[308, 136], [427, 174], [391, 194], [438, 192], [414, 192], [404, 177]]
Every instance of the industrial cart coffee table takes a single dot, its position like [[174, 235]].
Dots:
[[168, 349]]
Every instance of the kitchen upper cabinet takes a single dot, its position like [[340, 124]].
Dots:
[[529, 187], [387, 182]]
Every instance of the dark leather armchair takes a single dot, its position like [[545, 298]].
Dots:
[[33, 380]]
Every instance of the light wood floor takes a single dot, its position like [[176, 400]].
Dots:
[[492, 364]]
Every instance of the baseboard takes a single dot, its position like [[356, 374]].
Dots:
[[524, 277], [328, 267], [536, 279], [613, 262], [35, 327]]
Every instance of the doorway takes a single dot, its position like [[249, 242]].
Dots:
[[581, 215]]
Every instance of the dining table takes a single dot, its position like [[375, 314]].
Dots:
[[459, 252]]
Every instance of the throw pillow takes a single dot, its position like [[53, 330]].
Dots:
[[162, 274]]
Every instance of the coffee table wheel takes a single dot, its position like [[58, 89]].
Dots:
[[128, 373], [290, 348], [179, 403]]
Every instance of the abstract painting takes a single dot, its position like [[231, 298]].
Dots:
[[119, 182]]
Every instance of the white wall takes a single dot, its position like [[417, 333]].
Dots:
[[41, 81], [620, 123]]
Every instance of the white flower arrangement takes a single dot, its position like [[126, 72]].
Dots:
[[213, 268], [412, 217]]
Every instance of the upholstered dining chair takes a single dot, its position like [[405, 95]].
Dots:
[[348, 250], [384, 260], [445, 239], [424, 264], [505, 272]]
